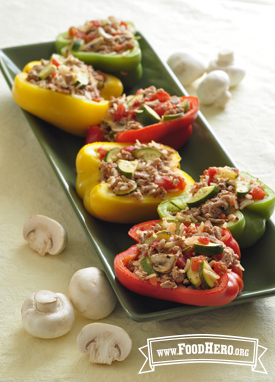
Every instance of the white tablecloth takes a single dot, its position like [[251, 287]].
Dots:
[[29, 186]]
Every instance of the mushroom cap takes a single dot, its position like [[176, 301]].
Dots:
[[91, 293], [45, 235], [105, 343], [42, 321], [213, 86], [187, 66], [226, 62]]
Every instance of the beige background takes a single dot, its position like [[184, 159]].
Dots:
[[29, 186]]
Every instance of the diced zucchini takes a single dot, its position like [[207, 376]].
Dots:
[[135, 98], [150, 239], [170, 117], [228, 172], [111, 155], [147, 116], [210, 249], [163, 235], [81, 79], [242, 188], [180, 201], [77, 44], [193, 276], [147, 153], [146, 265], [127, 168], [202, 195], [207, 275], [185, 104], [46, 71]]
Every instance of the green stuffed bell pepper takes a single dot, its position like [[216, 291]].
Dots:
[[108, 45], [225, 197]]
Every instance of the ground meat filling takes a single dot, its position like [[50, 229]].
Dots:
[[111, 36], [65, 78], [147, 174], [169, 257], [221, 208], [116, 121]]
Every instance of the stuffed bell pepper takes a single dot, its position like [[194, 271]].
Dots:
[[150, 114], [124, 183], [225, 197], [109, 45], [195, 264], [65, 92]]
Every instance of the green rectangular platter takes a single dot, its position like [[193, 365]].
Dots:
[[109, 239]]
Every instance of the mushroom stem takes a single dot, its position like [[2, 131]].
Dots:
[[46, 301]]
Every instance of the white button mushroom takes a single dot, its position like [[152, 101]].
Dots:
[[91, 293], [226, 62], [46, 314], [105, 343], [214, 89], [187, 66], [45, 235]]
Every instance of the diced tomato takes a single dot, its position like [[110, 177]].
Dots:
[[90, 37], [123, 23], [99, 99], [132, 113], [130, 149], [139, 91], [118, 47], [154, 244], [163, 96], [55, 62], [220, 267], [153, 97], [258, 193], [211, 172], [95, 134], [168, 183], [120, 112], [96, 23], [189, 253], [195, 265], [163, 107], [75, 32], [53, 74], [181, 262], [153, 280], [203, 240], [102, 152], [222, 216]]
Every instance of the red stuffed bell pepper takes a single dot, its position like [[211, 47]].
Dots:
[[150, 114], [182, 262]]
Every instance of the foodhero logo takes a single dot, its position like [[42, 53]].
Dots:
[[204, 349]]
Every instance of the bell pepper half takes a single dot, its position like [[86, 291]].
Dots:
[[230, 284], [249, 223], [101, 202], [71, 114], [158, 118], [126, 65]]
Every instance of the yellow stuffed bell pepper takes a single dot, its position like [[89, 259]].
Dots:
[[125, 182], [65, 92]]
